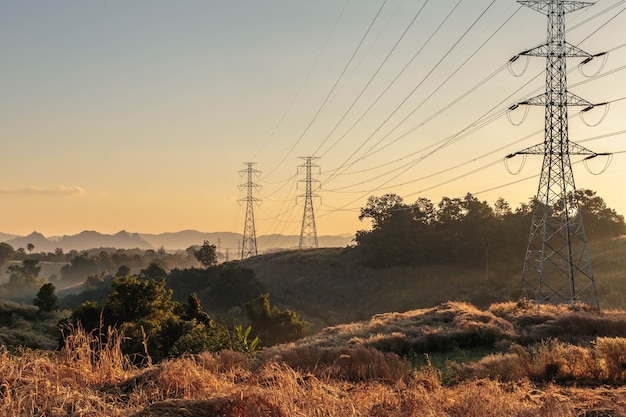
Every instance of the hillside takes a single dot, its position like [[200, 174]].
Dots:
[[330, 286]]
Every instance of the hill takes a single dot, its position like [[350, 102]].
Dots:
[[174, 241], [330, 286]]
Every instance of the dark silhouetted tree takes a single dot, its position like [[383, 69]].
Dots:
[[6, 253], [46, 300], [206, 254]]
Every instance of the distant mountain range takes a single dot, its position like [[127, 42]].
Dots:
[[225, 241]]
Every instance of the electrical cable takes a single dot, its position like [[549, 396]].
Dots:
[[306, 79], [393, 80], [419, 84], [419, 12], [332, 90]]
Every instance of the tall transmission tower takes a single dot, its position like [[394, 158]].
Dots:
[[248, 246], [308, 232], [557, 267]]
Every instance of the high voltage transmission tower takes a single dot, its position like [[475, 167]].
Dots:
[[308, 232], [557, 267], [248, 246]]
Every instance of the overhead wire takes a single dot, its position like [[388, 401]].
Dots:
[[306, 79], [371, 79], [393, 81], [612, 71], [413, 91], [449, 138], [371, 151], [445, 108], [332, 90]]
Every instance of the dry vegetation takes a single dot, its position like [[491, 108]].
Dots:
[[349, 370]]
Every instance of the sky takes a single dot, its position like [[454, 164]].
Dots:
[[139, 116]]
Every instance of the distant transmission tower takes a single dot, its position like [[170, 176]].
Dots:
[[248, 246], [308, 232], [557, 267]]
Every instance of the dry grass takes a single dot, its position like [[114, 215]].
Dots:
[[325, 378], [88, 379]]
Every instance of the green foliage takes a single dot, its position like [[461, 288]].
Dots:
[[242, 343], [462, 230], [23, 280], [273, 325], [80, 267], [202, 339], [206, 254], [153, 271], [6, 253], [220, 288], [131, 299], [88, 314], [26, 274], [194, 311], [46, 300]]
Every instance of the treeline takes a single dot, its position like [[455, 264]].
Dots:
[[161, 314], [25, 274], [463, 230]]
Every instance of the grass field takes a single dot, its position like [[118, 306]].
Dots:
[[463, 361]]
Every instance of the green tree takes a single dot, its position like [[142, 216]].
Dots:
[[153, 271], [273, 325], [131, 299], [26, 274], [379, 209], [46, 300], [6, 253], [206, 254]]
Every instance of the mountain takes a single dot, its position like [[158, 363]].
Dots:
[[41, 243], [232, 241], [90, 239], [82, 241], [225, 241], [4, 237], [186, 238]]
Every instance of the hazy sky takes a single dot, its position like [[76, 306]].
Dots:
[[138, 115]]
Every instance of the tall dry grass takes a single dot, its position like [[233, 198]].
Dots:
[[91, 377]]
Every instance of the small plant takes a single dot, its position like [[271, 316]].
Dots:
[[242, 342]]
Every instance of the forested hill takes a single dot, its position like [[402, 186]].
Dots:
[[331, 285]]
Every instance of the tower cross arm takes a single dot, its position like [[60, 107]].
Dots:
[[544, 6], [540, 149], [570, 51], [544, 100]]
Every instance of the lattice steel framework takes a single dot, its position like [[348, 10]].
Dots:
[[557, 267], [308, 232], [248, 246]]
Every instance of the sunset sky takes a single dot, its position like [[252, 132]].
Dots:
[[138, 115]]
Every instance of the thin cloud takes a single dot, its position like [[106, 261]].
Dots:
[[34, 190]]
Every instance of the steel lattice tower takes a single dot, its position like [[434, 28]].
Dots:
[[308, 232], [248, 247], [557, 267]]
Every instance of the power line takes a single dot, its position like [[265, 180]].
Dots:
[[332, 90], [358, 97]]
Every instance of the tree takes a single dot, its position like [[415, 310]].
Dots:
[[206, 254], [46, 300], [273, 325], [26, 274], [153, 271], [6, 253], [378, 209], [131, 299], [30, 248]]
